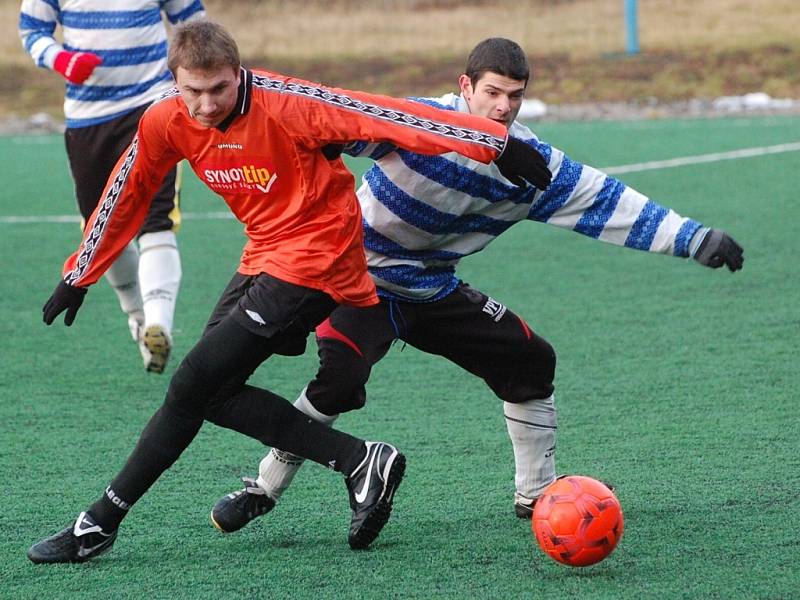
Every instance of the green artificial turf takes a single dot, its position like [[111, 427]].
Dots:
[[675, 382]]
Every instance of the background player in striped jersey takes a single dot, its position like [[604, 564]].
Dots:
[[422, 214], [114, 58], [256, 139]]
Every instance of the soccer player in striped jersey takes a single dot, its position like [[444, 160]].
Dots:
[[114, 60], [421, 216], [256, 138]]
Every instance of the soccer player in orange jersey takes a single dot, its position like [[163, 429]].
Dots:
[[257, 139]]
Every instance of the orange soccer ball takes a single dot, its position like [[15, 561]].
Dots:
[[577, 521]]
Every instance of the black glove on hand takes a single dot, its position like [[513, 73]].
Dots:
[[717, 249], [520, 163], [65, 297]]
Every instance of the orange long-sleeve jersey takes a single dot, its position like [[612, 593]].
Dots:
[[300, 212]]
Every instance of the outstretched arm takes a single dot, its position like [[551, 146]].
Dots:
[[119, 215], [590, 202], [322, 116]]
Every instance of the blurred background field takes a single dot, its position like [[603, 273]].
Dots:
[[689, 49]]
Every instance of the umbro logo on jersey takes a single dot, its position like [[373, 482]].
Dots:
[[230, 146], [494, 309], [256, 317]]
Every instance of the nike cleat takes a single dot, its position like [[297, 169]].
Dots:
[[372, 485], [523, 506], [78, 543], [237, 509]]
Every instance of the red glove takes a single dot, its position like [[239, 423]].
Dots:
[[76, 66]]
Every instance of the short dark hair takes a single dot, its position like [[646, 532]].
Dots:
[[498, 55], [202, 44]]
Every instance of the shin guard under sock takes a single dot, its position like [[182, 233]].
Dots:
[[532, 428], [159, 277]]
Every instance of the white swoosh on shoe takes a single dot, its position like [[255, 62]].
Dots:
[[360, 496], [82, 527], [82, 551]]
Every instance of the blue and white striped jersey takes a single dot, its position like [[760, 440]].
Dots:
[[422, 214], [130, 37]]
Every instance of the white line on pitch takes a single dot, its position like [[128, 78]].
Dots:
[[702, 158], [632, 168]]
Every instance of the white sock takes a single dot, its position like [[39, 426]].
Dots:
[[122, 275], [278, 468], [159, 277], [532, 428]]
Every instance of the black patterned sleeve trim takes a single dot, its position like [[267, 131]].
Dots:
[[104, 213], [380, 112]]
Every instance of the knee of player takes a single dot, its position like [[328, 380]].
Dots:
[[531, 377], [340, 387], [542, 359], [342, 363], [334, 403]]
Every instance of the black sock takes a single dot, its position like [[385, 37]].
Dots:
[[167, 434], [273, 421]]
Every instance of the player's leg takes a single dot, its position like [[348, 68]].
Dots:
[[485, 338], [92, 152], [159, 272], [349, 343], [87, 538], [372, 470], [248, 409], [124, 279]]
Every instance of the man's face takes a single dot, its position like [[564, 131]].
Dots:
[[209, 95], [494, 96]]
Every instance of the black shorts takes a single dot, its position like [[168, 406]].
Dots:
[[273, 308], [93, 151], [467, 327]]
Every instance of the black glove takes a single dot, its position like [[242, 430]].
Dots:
[[65, 297], [520, 163], [332, 151], [717, 249]]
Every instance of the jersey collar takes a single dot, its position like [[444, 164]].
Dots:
[[242, 101]]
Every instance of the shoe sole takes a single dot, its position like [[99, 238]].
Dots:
[[157, 343], [379, 516], [217, 525]]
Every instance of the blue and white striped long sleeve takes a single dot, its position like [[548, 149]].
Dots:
[[588, 201], [128, 35], [422, 214]]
